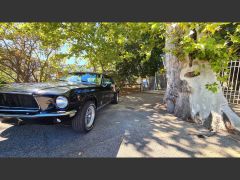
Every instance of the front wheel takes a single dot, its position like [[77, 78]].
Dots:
[[84, 119]]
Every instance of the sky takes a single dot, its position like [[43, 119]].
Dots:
[[73, 60]]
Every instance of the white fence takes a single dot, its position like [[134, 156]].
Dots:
[[231, 87]]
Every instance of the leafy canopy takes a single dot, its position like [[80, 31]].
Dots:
[[217, 43]]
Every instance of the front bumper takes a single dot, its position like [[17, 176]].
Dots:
[[39, 115]]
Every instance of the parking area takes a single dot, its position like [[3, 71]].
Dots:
[[138, 126]]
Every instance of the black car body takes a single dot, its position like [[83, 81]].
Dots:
[[37, 100]]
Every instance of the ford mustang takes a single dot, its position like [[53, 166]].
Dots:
[[76, 97]]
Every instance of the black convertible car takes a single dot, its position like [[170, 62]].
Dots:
[[74, 97]]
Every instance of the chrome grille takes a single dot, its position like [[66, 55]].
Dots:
[[9, 100]]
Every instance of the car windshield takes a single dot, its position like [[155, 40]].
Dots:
[[82, 78]]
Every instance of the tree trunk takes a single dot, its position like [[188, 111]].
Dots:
[[151, 83], [162, 81], [177, 91], [187, 97]]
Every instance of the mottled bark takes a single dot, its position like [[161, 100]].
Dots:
[[187, 97], [177, 91]]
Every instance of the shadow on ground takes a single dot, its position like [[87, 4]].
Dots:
[[138, 126]]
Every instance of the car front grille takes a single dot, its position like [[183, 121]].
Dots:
[[24, 101]]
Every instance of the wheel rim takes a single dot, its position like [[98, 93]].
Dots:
[[90, 116], [117, 97]]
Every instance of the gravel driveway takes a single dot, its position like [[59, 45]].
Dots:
[[136, 127]]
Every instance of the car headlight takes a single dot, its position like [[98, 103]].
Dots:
[[61, 102]]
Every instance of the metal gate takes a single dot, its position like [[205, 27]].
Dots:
[[231, 87], [157, 82]]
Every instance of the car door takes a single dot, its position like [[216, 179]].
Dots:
[[100, 91], [107, 89]]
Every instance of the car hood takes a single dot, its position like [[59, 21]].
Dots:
[[41, 88]]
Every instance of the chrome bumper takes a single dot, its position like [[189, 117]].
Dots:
[[40, 115]]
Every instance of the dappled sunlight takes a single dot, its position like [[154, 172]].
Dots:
[[3, 139], [132, 128], [168, 136], [188, 66], [146, 104], [5, 136], [235, 108], [134, 99]]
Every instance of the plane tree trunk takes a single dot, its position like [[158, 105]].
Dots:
[[186, 95]]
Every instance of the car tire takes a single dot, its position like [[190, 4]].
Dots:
[[115, 98], [80, 123]]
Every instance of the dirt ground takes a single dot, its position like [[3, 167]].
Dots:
[[138, 126]]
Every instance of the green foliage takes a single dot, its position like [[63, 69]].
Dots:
[[162, 71], [30, 51], [217, 43], [129, 49], [33, 49], [212, 87]]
